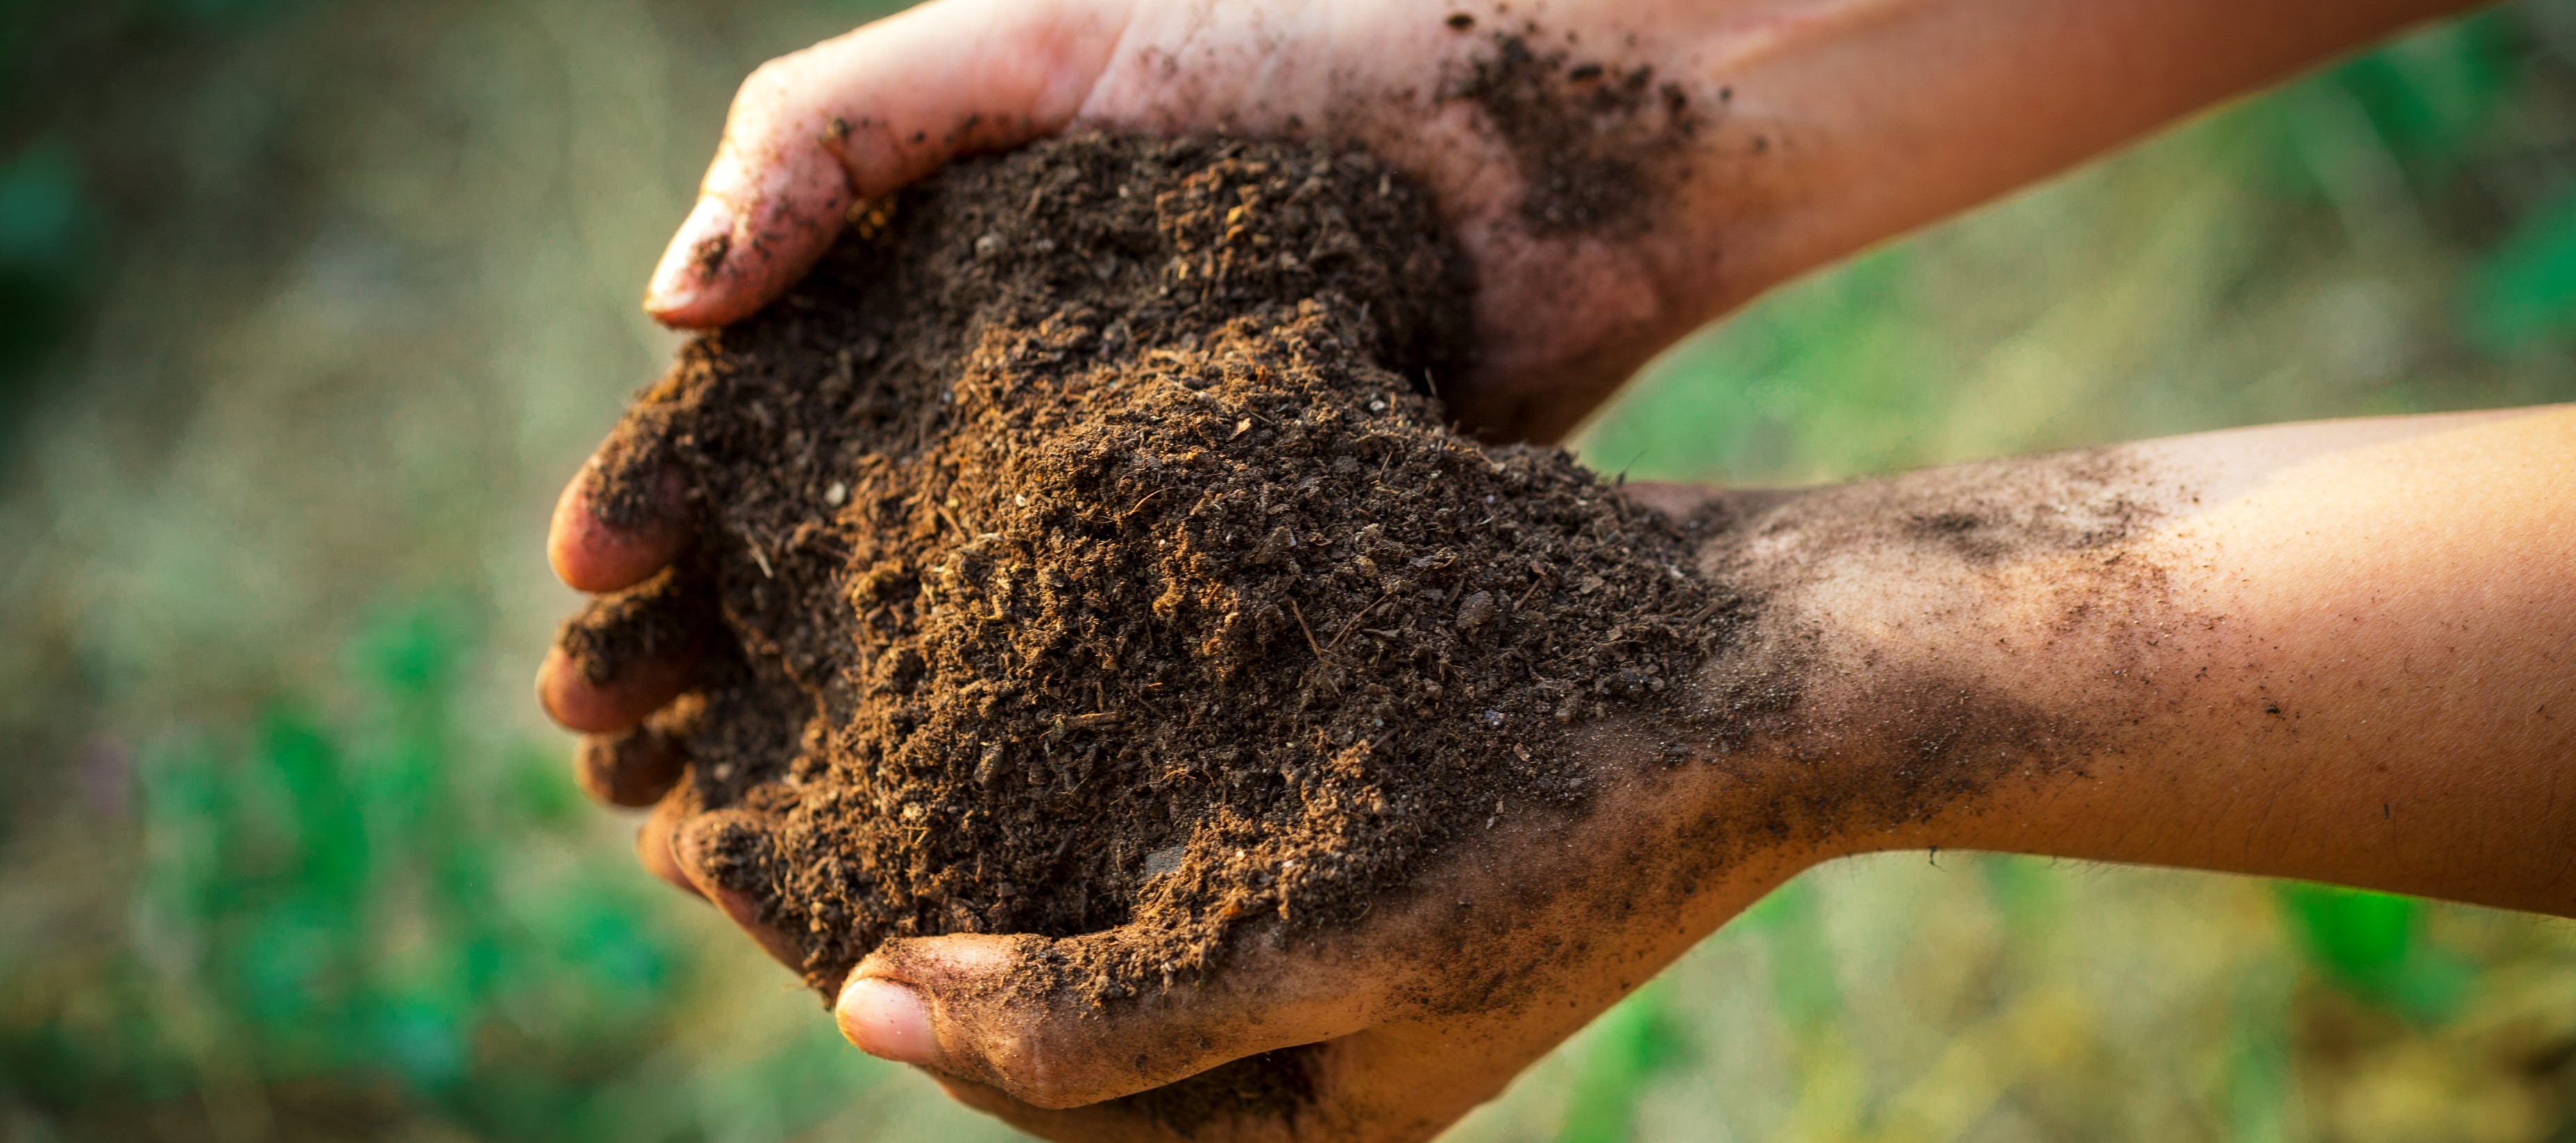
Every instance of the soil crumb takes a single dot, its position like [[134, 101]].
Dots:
[[1081, 545]]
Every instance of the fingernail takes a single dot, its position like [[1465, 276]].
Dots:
[[886, 1020], [694, 256]]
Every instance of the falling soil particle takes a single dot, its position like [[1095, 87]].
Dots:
[[1088, 553]]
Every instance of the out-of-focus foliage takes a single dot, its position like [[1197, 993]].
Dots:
[[2395, 234], [2526, 292], [306, 307], [45, 247], [2372, 946], [327, 941], [1631, 1045]]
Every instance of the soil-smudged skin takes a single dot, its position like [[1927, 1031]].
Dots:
[[1091, 550], [1597, 147]]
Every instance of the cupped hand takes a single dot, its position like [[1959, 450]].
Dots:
[[1571, 154], [1563, 155], [1560, 149], [1388, 1031]]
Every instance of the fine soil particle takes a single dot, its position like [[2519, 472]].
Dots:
[[1089, 551]]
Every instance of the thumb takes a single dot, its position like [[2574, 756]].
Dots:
[[859, 116], [992, 1011]]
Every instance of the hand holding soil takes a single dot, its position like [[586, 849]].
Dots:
[[1102, 668], [1617, 172], [1115, 687], [1076, 557], [1561, 156]]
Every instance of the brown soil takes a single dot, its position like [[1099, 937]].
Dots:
[[1088, 553]]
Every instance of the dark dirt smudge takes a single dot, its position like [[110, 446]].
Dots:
[[1598, 145], [1899, 740]]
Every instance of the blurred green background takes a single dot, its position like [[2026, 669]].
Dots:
[[306, 309]]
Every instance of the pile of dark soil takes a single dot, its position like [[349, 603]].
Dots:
[[1082, 546]]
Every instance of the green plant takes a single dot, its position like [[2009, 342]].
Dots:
[[2372, 946], [1625, 1050], [382, 915]]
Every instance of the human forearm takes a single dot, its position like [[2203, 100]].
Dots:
[[2330, 651], [1865, 119], [2387, 683]]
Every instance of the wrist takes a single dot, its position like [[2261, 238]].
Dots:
[[1902, 655]]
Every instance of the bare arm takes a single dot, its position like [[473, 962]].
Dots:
[[2336, 651], [2371, 681], [1901, 112]]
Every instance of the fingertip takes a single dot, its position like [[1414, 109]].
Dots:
[[695, 848], [590, 554], [692, 270], [886, 1020], [744, 245], [576, 703], [555, 681], [567, 699], [653, 847], [630, 770]]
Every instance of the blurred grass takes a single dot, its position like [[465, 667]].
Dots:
[[2392, 235], [327, 942], [306, 307]]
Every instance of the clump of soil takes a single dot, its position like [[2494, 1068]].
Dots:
[[1087, 549]]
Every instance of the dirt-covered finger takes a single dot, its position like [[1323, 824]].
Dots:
[[575, 702], [1398, 1083], [967, 1006], [719, 852], [626, 655], [633, 769], [653, 845], [861, 115], [607, 537]]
